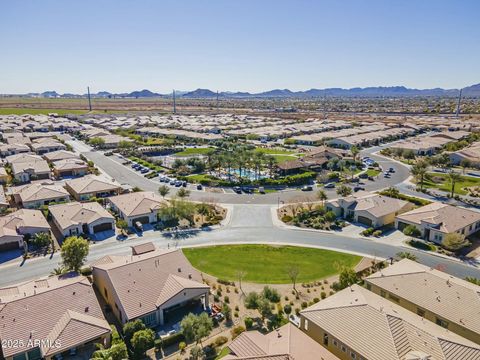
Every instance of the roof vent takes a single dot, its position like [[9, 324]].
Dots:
[[189, 276], [179, 269], [73, 293], [86, 309]]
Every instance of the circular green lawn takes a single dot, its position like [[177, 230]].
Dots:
[[268, 264]]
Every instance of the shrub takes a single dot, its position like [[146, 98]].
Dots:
[[271, 294], [181, 346], [237, 330], [304, 304], [248, 322], [287, 309], [323, 294], [286, 218], [377, 233], [226, 299], [368, 232], [225, 282], [173, 339], [251, 300], [411, 230], [220, 340]]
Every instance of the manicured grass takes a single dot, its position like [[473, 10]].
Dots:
[[199, 177], [373, 172], [268, 264], [283, 158], [194, 151], [422, 245], [444, 184], [275, 151]]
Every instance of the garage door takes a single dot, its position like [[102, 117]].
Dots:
[[67, 173], [142, 219], [102, 227], [364, 220], [9, 246]]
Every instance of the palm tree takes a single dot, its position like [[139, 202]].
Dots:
[[419, 171], [322, 196], [453, 178], [271, 162], [354, 151]]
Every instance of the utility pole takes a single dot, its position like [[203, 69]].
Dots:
[[174, 104], [458, 103], [89, 100]]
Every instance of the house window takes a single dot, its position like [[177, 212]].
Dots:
[[344, 349], [369, 287], [335, 342], [421, 312], [441, 322], [305, 325], [353, 355], [149, 319], [325, 339], [34, 354], [383, 293], [20, 357]]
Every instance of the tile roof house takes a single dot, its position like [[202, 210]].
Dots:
[[140, 206], [369, 209], [34, 195], [42, 146], [436, 296], [70, 167], [358, 324], [81, 218], [60, 155], [89, 186], [14, 226], [49, 317], [286, 343], [26, 167], [3, 175], [436, 220], [148, 286], [470, 154], [13, 149]]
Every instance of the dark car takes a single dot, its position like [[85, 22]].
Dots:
[[199, 187], [237, 189], [144, 170], [184, 184], [358, 188], [363, 176]]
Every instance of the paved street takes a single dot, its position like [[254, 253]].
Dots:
[[250, 221]]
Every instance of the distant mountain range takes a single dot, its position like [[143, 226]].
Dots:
[[368, 92]]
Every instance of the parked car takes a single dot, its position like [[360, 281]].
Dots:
[[144, 170], [184, 183], [178, 183], [329, 186], [172, 182], [138, 225], [363, 176], [199, 187], [386, 175], [307, 188], [392, 170], [358, 188], [237, 189], [261, 190]]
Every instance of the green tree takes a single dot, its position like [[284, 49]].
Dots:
[[322, 196], [142, 341], [122, 224], [454, 241], [196, 352], [411, 230], [74, 252], [453, 178], [183, 193], [354, 151], [196, 327], [419, 171], [227, 311], [131, 328], [264, 307], [251, 300], [41, 240], [96, 142], [347, 277], [163, 190], [344, 190]]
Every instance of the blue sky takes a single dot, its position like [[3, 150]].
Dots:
[[248, 45]]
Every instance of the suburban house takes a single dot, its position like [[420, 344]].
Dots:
[[34, 195], [470, 154], [69, 319], [369, 209], [149, 286], [4, 204], [70, 167], [356, 323], [60, 155], [452, 135], [448, 301], [26, 167], [13, 149], [90, 186], [436, 220], [14, 226], [3, 175], [42, 146], [422, 145], [81, 218], [285, 343], [135, 207]]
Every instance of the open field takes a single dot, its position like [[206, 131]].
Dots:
[[268, 264], [31, 111]]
